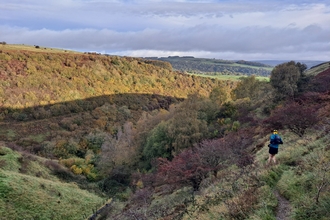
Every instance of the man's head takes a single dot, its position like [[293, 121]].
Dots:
[[275, 131]]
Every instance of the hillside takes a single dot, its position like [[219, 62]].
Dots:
[[309, 63], [32, 78], [63, 107], [29, 189], [80, 130], [314, 70], [215, 66]]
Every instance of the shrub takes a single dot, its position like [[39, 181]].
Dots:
[[76, 170], [59, 170], [184, 169], [239, 207], [19, 116], [296, 117]]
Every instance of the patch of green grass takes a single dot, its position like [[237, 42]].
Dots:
[[271, 176], [27, 197], [267, 205], [8, 134], [291, 186], [38, 138], [254, 67], [10, 159], [313, 211]]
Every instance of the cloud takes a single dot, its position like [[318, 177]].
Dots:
[[281, 29]]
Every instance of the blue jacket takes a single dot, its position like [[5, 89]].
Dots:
[[272, 137]]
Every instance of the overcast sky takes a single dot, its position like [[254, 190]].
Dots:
[[221, 29]]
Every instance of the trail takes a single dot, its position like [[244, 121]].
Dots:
[[283, 209]]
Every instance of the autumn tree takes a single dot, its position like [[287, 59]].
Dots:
[[116, 149], [185, 169], [218, 95], [296, 117], [248, 87], [185, 126]]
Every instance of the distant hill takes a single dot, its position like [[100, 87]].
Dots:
[[314, 70], [309, 63], [215, 66]]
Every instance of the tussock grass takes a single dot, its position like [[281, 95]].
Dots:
[[267, 205]]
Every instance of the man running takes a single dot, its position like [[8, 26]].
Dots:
[[275, 140]]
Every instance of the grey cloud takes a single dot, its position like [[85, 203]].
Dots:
[[198, 38], [212, 27]]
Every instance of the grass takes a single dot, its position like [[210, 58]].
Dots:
[[36, 194], [254, 67], [39, 137], [8, 133]]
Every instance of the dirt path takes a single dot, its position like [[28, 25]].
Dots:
[[283, 209]]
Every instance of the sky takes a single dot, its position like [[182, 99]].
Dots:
[[220, 29]]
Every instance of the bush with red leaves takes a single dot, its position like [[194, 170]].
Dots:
[[296, 117], [193, 165], [185, 169], [321, 82], [228, 150]]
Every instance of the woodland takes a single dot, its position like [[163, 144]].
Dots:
[[91, 136], [216, 66]]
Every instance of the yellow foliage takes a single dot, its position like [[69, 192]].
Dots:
[[87, 169], [139, 184], [68, 162], [89, 156], [76, 170]]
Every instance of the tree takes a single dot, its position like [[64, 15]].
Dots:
[[186, 127], [158, 144], [284, 79], [218, 95], [248, 87]]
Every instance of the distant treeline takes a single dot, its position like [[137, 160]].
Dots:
[[216, 66]]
